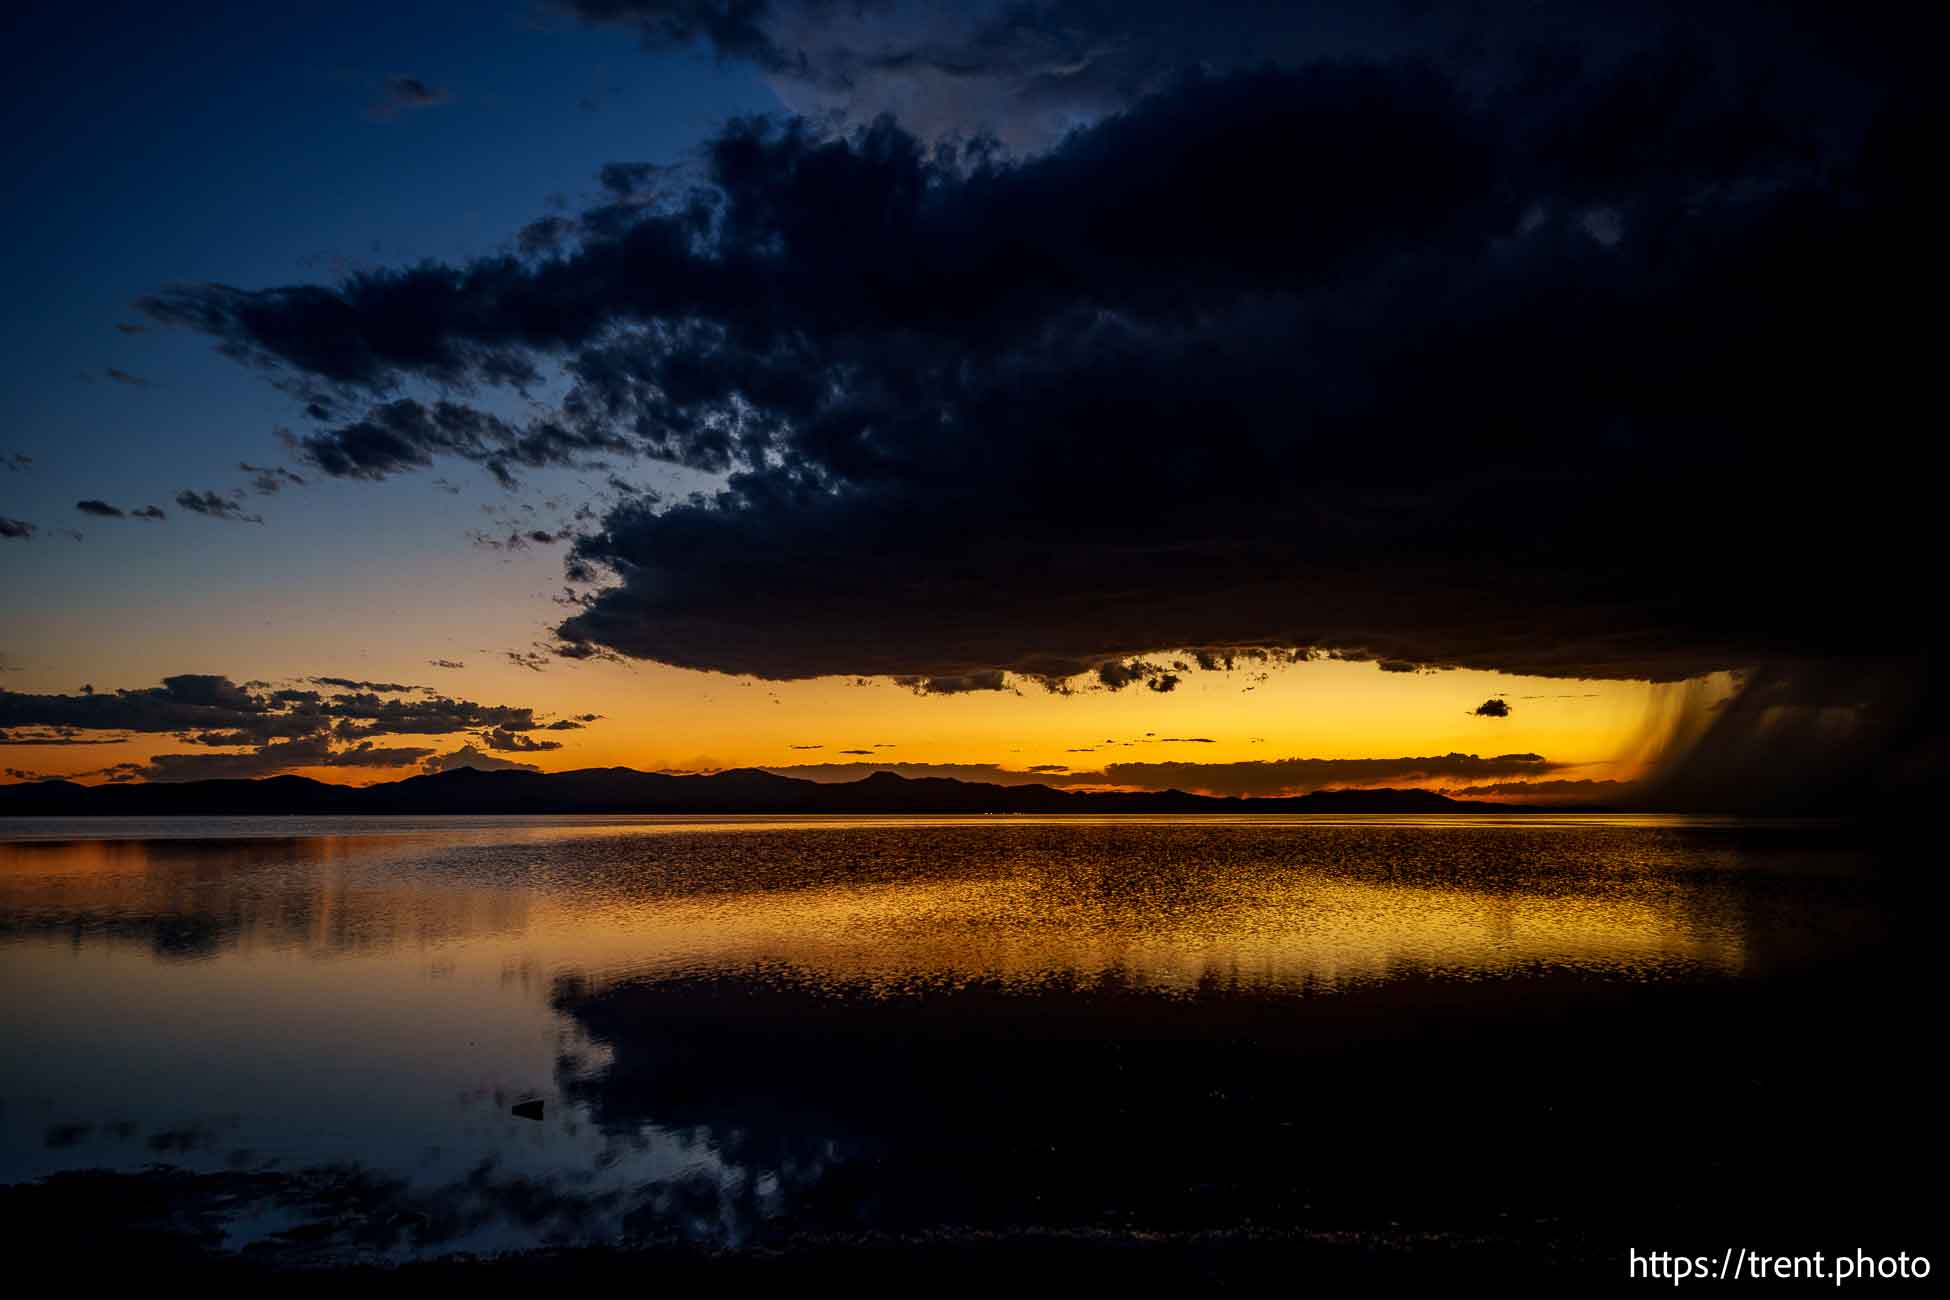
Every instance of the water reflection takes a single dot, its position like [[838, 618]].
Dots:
[[1174, 902], [745, 1026], [193, 898]]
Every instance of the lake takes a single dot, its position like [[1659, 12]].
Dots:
[[312, 1035]]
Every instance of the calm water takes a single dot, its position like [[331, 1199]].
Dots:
[[740, 1026]]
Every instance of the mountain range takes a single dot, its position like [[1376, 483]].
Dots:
[[625, 790]]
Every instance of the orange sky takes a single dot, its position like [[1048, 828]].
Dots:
[[253, 621]]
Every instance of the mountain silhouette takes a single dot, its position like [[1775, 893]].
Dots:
[[626, 790]]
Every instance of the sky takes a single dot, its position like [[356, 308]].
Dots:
[[1229, 397]]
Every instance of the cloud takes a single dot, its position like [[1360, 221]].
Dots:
[[734, 28], [1269, 778], [18, 529], [16, 462], [407, 434], [101, 509], [1298, 775], [515, 742], [1115, 676], [402, 94], [1492, 708], [215, 506], [519, 539], [434, 715], [1551, 791], [1027, 74], [993, 680], [1439, 362], [276, 730], [124, 377], [148, 512], [481, 761], [446, 663], [268, 480], [274, 757], [55, 736]]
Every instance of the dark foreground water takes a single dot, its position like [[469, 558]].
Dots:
[[1568, 1035]]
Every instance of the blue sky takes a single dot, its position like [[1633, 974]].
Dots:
[[148, 149], [241, 144]]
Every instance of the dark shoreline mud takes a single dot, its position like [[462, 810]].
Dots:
[[1428, 1132], [139, 1249]]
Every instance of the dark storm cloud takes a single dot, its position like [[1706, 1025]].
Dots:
[[1115, 676], [18, 529], [1493, 708], [1855, 733], [1440, 362], [216, 506], [984, 681], [100, 509], [403, 94], [1268, 778]]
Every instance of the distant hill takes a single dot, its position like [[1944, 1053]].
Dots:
[[625, 790]]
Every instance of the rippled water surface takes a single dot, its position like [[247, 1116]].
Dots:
[[734, 1023]]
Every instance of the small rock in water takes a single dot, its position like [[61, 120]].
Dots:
[[531, 1109]]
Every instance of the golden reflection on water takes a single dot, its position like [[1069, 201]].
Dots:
[[1168, 903]]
